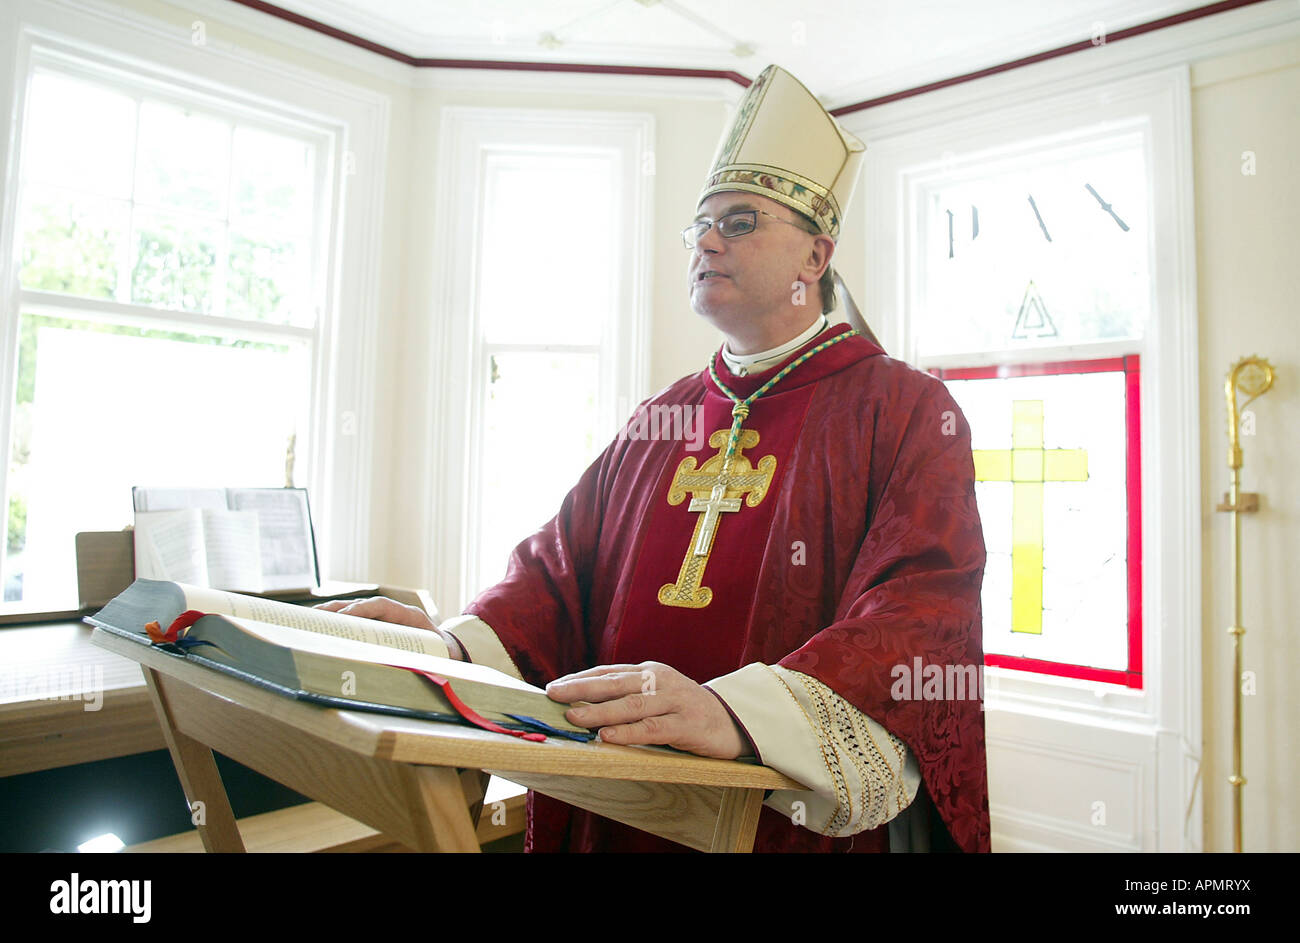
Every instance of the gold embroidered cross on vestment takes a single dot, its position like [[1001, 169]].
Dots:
[[718, 485], [715, 488]]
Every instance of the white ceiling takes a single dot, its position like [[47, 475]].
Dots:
[[844, 51]]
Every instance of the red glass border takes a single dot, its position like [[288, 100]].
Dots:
[[1128, 679], [1130, 366]]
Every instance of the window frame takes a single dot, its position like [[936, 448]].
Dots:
[[899, 156], [458, 351], [1117, 128], [1147, 739], [351, 124]]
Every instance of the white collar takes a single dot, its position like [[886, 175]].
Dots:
[[742, 365]]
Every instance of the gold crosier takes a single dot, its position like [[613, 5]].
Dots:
[[717, 486], [1252, 376]]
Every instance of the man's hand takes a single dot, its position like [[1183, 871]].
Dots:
[[383, 609], [650, 703]]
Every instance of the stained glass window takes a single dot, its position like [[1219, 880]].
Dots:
[[1056, 468], [1031, 291]]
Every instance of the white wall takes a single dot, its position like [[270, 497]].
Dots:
[[1247, 235]]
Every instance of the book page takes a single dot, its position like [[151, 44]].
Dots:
[[287, 549], [169, 546], [399, 637], [230, 541], [341, 647], [174, 499]]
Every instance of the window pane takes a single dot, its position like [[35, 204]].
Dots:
[[550, 233], [1029, 255], [183, 161], [79, 136], [1050, 456], [214, 219], [273, 178], [541, 415], [72, 243], [268, 280], [175, 257], [101, 408]]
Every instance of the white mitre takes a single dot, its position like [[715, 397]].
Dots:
[[785, 146]]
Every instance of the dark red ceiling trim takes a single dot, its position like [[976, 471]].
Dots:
[[270, 9], [421, 63], [352, 39], [580, 67], [1081, 46]]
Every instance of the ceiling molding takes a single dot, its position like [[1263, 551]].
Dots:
[[1084, 45], [1263, 25], [724, 84], [518, 65], [577, 83]]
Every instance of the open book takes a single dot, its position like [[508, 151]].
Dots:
[[249, 539], [327, 657]]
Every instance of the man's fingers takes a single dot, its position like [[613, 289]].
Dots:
[[599, 687], [662, 729], [350, 605], [381, 609], [649, 703], [606, 682], [596, 672], [623, 710]]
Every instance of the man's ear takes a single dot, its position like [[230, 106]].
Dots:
[[819, 257]]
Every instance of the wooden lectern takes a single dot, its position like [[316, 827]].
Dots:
[[422, 782]]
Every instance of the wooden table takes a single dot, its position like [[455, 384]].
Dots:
[[422, 782]]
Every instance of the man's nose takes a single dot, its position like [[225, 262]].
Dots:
[[710, 242]]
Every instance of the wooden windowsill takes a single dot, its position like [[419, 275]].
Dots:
[[65, 701]]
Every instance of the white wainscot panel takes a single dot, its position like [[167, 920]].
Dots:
[[1061, 785]]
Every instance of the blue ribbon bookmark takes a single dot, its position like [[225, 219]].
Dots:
[[547, 729]]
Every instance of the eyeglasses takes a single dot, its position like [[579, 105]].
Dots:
[[729, 226]]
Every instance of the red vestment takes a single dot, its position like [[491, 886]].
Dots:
[[865, 554]]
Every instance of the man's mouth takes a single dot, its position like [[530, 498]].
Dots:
[[707, 274]]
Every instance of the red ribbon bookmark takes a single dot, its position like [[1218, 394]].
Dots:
[[176, 631], [476, 719]]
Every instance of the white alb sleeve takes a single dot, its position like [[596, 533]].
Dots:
[[481, 644], [858, 774]]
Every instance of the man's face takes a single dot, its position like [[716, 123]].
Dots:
[[746, 277]]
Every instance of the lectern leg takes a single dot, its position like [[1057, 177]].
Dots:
[[737, 820], [438, 808], [197, 769], [474, 783]]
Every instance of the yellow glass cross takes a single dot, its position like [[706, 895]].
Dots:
[[1027, 465]]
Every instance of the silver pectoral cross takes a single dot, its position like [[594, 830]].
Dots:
[[714, 504]]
